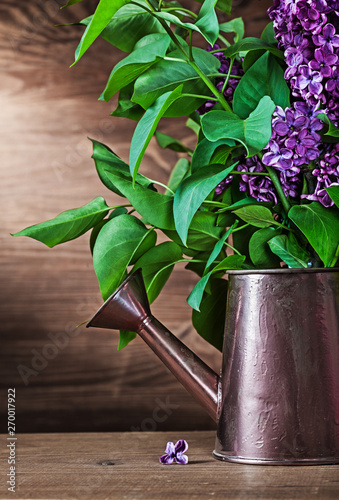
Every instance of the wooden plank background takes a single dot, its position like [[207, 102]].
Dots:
[[47, 112]]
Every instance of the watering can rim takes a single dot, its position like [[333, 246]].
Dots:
[[286, 270]]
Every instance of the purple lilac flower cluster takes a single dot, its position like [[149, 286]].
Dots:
[[327, 174], [307, 32], [259, 187], [295, 142], [232, 83]]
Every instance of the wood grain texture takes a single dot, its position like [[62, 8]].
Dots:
[[126, 466], [47, 113]]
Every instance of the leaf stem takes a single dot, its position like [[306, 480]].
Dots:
[[284, 227], [181, 9], [335, 258], [215, 203], [223, 39], [211, 86], [119, 206], [248, 173], [276, 183], [200, 97], [228, 75], [232, 248], [194, 260], [162, 185], [240, 228], [190, 46]]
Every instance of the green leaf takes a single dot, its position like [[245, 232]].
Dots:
[[256, 215], [241, 241], [205, 150], [332, 131], [198, 263], [125, 338], [225, 219], [218, 247], [156, 208], [251, 43], [192, 192], [114, 249], [194, 125], [333, 192], [223, 5], [245, 202], [178, 173], [146, 128], [147, 52], [210, 321], [106, 161], [97, 228], [251, 57], [157, 265], [126, 108], [254, 132], [166, 141], [206, 24], [320, 226], [101, 17], [290, 253], [264, 78], [69, 3], [195, 297], [234, 26], [165, 76], [268, 34], [231, 262], [128, 25], [69, 224], [207, 21], [202, 234], [260, 253]]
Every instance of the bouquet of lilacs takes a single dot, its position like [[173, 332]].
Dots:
[[259, 190]]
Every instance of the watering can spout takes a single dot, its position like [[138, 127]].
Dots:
[[128, 309]]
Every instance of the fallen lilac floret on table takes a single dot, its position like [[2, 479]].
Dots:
[[175, 452]]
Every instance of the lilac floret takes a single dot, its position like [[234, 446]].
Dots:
[[175, 452], [323, 62], [327, 38]]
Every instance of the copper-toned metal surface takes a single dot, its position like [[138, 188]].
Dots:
[[128, 309], [280, 382], [278, 398]]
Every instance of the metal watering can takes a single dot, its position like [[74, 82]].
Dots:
[[276, 401]]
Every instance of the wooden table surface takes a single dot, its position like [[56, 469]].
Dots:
[[126, 466]]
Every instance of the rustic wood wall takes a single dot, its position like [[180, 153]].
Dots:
[[47, 112]]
